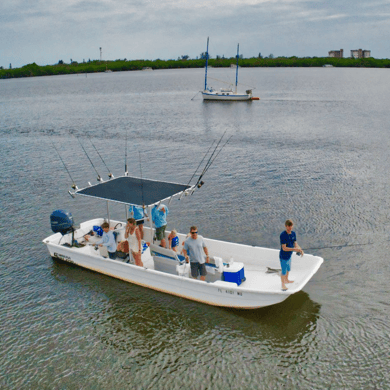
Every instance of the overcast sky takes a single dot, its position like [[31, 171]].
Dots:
[[46, 31]]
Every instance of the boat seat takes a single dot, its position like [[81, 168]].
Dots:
[[166, 260]]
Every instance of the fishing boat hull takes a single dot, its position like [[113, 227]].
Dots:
[[259, 288]]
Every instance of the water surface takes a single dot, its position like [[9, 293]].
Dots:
[[314, 149]]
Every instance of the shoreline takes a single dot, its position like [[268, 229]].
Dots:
[[34, 70]]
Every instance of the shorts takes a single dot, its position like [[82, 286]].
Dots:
[[139, 222], [112, 255], [160, 232], [198, 269], [286, 266]]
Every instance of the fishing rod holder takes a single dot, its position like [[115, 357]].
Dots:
[[200, 184]]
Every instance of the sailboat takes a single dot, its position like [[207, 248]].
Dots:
[[224, 94]]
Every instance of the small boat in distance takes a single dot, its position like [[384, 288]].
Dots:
[[225, 94]]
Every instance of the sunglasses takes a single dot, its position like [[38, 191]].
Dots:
[[194, 232]]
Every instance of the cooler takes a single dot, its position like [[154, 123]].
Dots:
[[234, 273]]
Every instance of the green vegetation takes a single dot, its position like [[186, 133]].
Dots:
[[33, 69]]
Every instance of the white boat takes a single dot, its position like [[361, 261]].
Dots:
[[238, 276], [224, 94]]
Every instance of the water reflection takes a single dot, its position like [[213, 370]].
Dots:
[[131, 315]]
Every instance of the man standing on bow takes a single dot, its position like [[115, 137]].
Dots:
[[288, 243]]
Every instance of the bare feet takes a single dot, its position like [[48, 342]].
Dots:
[[289, 281], [284, 288]]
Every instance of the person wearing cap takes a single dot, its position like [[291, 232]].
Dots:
[[198, 254], [159, 218]]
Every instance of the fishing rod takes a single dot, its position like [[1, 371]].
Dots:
[[340, 246], [126, 172], [200, 164], [199, 183], [197, 168], [98, 176], [67, 170], [219, 151], [110, 175], [142, 184]]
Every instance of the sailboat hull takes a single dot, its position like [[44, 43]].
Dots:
[[226, 96]]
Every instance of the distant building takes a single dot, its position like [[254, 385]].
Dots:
[[336, 53], [360, 53]]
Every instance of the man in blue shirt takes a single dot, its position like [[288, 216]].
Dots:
[[288, 243], [159, 217]]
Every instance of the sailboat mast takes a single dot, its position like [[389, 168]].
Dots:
[[207, 60], [238, 45]]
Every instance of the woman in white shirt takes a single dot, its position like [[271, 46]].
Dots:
[[133, 236]]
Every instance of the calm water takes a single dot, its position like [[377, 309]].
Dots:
[[314, 149]]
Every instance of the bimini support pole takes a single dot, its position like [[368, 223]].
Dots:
[[151, 224], [108, 212]]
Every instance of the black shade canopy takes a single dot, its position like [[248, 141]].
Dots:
[[133, 190]]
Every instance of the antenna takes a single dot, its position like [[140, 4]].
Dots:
[[100, 54]]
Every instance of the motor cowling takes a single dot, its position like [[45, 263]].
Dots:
[[61, 222]]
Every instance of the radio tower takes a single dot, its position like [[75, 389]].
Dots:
[[100, 54]]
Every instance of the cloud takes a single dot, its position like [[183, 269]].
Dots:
[[45, 31]]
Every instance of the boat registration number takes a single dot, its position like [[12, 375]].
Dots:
[[231, 292], [63, 257]]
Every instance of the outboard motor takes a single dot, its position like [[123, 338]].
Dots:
[[61, 222]]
